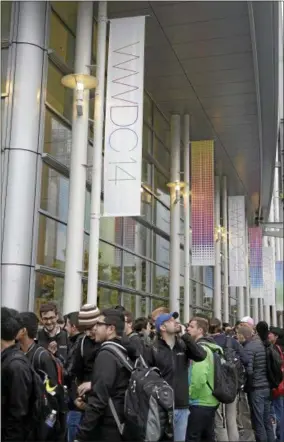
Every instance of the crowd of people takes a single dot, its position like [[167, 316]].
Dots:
[[84, 378]]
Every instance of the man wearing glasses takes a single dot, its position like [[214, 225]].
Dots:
[[109, 380], [52, 337]]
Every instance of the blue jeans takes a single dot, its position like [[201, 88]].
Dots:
[[180, 424], [73, 422], [260, 407], [278, 405]]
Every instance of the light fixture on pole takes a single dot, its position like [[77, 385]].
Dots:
[[80, 83], [220, 233], [176, 189]]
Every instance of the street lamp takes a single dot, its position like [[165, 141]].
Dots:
[[80, 83], [176, 189]]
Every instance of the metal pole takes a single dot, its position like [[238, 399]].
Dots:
[[78, 171], [187, 227], [240, 302], [225, 252], [255, 314], [138, 268], [217, 300], [92, 296], [198, 275], [22, 150], [175, 216]]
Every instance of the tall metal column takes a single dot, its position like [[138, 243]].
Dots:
[[138, 269], [175, 216], [225, 252], [23, 148], [217, 300], [240, 302], [92, 296], [78, 171], [255, 314], [187, 227]]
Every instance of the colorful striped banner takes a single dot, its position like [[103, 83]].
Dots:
[[256, 262], [279, 275], [202, 203]]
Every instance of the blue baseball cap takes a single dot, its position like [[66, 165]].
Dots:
[[164, 318]]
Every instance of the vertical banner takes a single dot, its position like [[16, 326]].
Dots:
[[256, 262], [237, 241], [202, 203], [279, 269], [268, 276], [124, 117]]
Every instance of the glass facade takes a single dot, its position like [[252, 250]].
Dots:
[[134, 258]]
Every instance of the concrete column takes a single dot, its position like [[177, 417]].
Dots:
[[225, 253], [246, 301], [187, 226], [274, 316], [175, 216], [138, 269], [217, 300], [78, 171], [255, 314], [23, 149], [266, 314], [240, 302], [97, 158], [260, 309]]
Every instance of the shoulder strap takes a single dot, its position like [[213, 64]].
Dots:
[[82, 345], [228, 342], [39, 357], [120, 426], [113, 348]]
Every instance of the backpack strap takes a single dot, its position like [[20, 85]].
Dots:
[[120, 426], [117, 351], [39, 357], [82, 345]]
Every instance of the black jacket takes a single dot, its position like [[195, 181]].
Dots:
[[174, 363], [69, 376], [61, 338], [84, 357], [109, 380], [16, 396], [257, 364], [41, 360]]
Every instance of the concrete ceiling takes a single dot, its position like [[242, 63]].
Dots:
[[218, 61]]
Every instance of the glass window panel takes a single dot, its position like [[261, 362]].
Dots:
[[52, 243], [129, 270], [48, 288], [108, 298], [4, 70], [161, 281], [160, 184], [147, 139], [109, 263], [61, 41], [6, 11], [67, 11], [128, 301], [159, 303], [148, 109], [161, 154], [54, 193], [57, 139], [161, 251], [111, 230], [58, 96], [161, 127]]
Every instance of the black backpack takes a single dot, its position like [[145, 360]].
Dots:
[[232, 357], [149, 401], [274, 365], [225, 388], [40, 405]]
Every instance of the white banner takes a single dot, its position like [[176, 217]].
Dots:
[[124, 117], [237, 241], [268, 276]]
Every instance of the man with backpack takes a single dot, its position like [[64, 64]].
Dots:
[[203, 380], [171, 355], [109, 382], [16, 383], [50, 371], [258, 386], [226, 428]]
